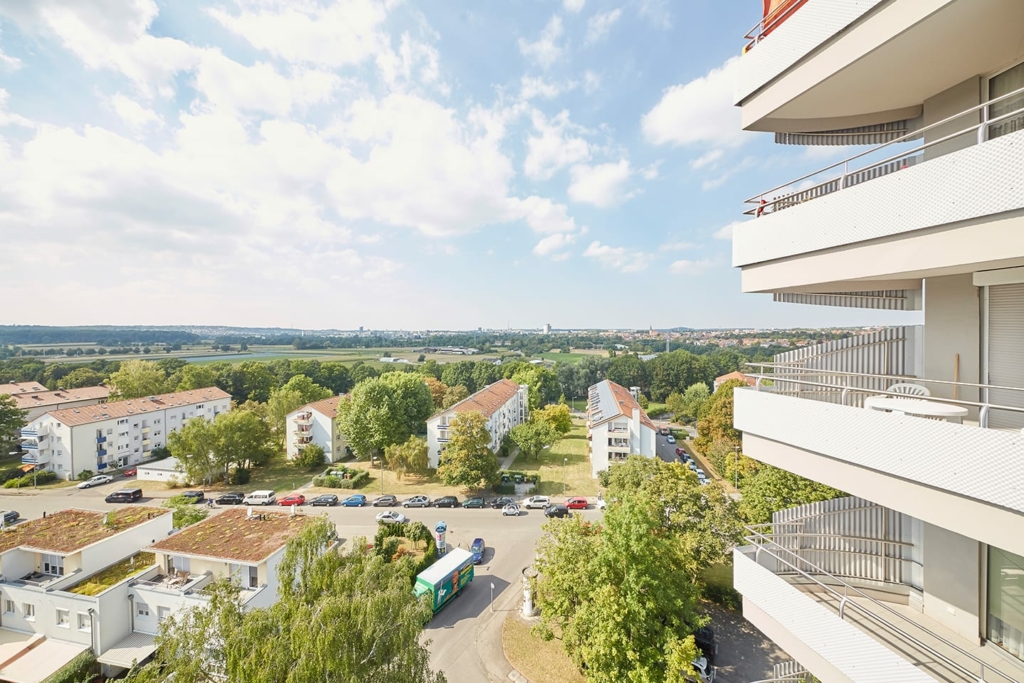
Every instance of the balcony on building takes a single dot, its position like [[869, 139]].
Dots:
[[101, 439], [304, 418]]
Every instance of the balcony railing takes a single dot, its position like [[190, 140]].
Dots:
[[844, 174], [998, 406], [101, 439], [770, 22], [915, 642]]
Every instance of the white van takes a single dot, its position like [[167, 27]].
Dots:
[[260, 498], [538, 502]]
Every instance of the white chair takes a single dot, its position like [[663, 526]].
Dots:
[[908, 389]]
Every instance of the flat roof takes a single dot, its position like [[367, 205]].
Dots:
[[165, 465], [446, 565], [68, 531], [230, 535], [136, 406]]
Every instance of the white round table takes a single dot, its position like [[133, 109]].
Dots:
[[915, 406]]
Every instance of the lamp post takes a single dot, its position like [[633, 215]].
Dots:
[[736, 468], [565, 462], [382, 475]]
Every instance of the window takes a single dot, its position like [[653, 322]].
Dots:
[[30, 611], [1003, 84], [143, 610], [1005, 611], [53, 565], [110, 431], [162, 613], [63, 618], [84, 622], [8, 606]]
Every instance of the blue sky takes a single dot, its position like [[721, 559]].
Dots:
[[385, 163]]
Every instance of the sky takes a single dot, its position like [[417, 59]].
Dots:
[[390, 164]]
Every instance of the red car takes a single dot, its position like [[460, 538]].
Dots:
[[130, 473], [577, 503], [293, 499], [679, 451]]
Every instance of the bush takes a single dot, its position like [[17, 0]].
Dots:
[[41, 477], [240, 476], [81, 669], [160, 453], [311, 456], [8, 475], [505, 489], [186, 513], [334, 478], [85, 475], [603, 478]]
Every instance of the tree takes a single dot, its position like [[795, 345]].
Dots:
[[772, 489], [542, 383], [194, 376], [616, 594], [362, 372], [715, 421], [459, 373], [80, 377], [193, 446], [557, 416], [453, 395], [629, 371], [430, 369], [296, 392], [673, 371], [252, 380], [186, 512], [137, 378], [12, 419], [383, 411], [437, 390], [311, 456], [410, 456], [241, 439], [336, 377], [468, 459], [691, 403], [485, 373], [532, 437]]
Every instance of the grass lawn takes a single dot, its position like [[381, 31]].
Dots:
[[540, 661], [405, 487], [550, 465], [655, 409]]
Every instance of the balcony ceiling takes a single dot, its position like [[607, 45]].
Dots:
[[965, 39]]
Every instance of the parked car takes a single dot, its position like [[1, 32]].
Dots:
[[391, 516], [260, 498], [663, 431], [446, 502], [577, 503], [705, 639], [194, 496], [325, 500], [96, 481], [670, 438], [356, 500], [499, 503], [692, 465], [385, 501], [601, 504], [130, 472], [124, 496], [510, 510], [292, 499], [705, 672], [700, 473], [680, 451], [477, 549], [234, 498], [10, 517], [556, 511], [538, 502], [417, 502], [473, 503], [686, 458]]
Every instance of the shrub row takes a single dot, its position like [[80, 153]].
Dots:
[[387, 540], [81, 668], [334, 478], [42, 477]]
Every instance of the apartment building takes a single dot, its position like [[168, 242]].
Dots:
[[917, 574], [111, 435], [64, 585], [617, 427], [316, 423], [505, 404], [35, 399]]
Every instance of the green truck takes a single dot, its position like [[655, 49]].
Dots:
[[446, 578]]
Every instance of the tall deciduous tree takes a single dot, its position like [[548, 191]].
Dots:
[[252, 380], [288, 642], [383, 411], [459, 373], [628, 371], [194, 376], [136, 378], [295, 393], [543, 384], [772, 489], [410, 457], [80, 377], [468, 459], [557, 416], [453, 395], [437, 391], [193, 446], [715, 421], [531, 437], [12, 419], [242, 439]]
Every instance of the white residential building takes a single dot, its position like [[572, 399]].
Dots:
[[505, 404], [112, 435], [316, 423], [918, 575], [617, 427], [35, 399], [53, 602]]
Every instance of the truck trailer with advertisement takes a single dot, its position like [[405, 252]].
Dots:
[[446, 578]]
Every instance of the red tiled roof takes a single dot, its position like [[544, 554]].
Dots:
[[56, 398], [736, 375], [486, 401], [22, 388], [136, 406], [327, 406]]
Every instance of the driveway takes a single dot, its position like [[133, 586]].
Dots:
[[744, 654]]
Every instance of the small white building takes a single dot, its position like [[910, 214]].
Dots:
[[36, 400], [316, 423], [505, 404], [112, 435], [617, 426], [159, 470]]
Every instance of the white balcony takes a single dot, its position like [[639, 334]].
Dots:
[[844, 632], [960, 473]]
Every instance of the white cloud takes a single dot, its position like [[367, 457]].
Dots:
[[134, 114], [553, 243], [531, 87], [706, 159], [699, 112], [544, 216], [725, 232], [602, 185], [591, 82], [600, 25], [736, 167], [260, 88], [651, 171], [8, 62], [656, 12], [618, 258], [545, 50], [553, 147], [688, 267], [573, 5], [677, 246]]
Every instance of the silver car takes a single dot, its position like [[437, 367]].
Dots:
[[417, 502], [96, 481]]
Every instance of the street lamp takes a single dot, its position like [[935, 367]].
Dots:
[[492, 596], [736, 468], [565, 462]]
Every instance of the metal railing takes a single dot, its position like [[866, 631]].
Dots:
[[848, 388], [848, 178], [843, 591], [770, 22]]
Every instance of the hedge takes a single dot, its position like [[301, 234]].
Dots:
[[334, 478], [41, 477], [81, 668]]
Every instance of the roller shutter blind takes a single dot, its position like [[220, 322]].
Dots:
[[1006, 352]]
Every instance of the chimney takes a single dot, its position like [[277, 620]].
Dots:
[[636, 419]]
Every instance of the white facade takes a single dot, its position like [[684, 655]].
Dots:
[[921, 426], [617, 427], [114, 435], [505, 404], [316, 423]]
